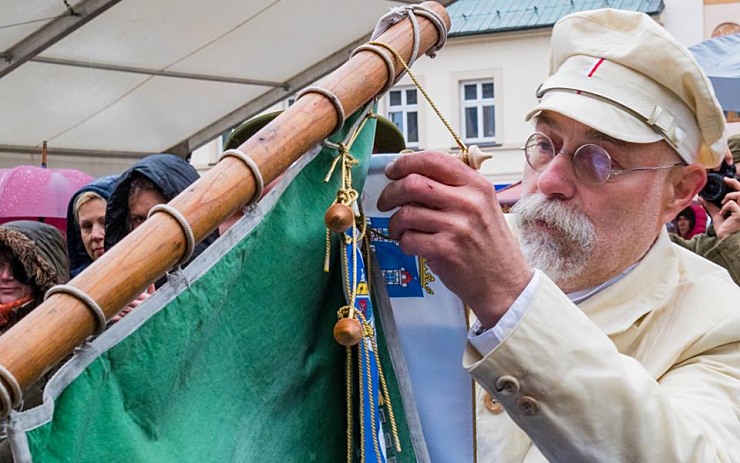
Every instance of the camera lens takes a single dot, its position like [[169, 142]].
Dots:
[[714, 189]]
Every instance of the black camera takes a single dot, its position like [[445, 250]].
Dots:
[[716, 188]]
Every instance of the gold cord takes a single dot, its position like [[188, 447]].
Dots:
[[383, 384], [464, 150], [327, 254], [387, 397], [362, 234], [347, 284], [348, 387], [474, 403], [367, 332], [346, 194], [362, 411], [354, 273], [454, 134]]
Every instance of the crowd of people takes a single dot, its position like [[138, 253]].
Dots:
[[35, 256], [720, 240], [600, 339]]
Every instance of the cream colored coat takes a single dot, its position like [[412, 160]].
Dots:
[[648, 370]]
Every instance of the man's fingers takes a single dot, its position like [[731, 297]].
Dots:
[[421, 219], [732, 182], [436, 191], [418, 243], [729, 208], [413, 189], [443, 168]]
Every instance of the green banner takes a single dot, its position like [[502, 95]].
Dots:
[[240, 364]]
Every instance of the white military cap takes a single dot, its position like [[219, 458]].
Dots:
[[621, 73]]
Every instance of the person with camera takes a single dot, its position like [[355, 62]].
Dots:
[[720, 197]]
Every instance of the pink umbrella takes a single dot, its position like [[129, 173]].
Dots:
[[36, 193]]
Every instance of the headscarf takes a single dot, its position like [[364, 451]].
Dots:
[[79, 259], [170, 174], [41, 250]]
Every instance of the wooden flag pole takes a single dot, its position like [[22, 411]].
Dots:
[[52, 331]]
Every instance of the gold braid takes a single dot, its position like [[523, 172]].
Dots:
[[387, 396], [454, 134], [348, 386]]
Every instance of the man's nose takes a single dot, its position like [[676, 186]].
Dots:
[[558, 178]]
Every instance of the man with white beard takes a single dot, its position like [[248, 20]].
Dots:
[[599, 339]]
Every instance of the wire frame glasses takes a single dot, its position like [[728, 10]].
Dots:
[[591, 163]]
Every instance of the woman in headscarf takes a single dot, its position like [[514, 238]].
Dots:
[[156, 179], [86, 223], [86, 231], [33, 258]]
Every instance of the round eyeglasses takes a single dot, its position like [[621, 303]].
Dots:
[[591, 163]]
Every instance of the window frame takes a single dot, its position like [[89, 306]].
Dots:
[[479, 103], [404, 108]]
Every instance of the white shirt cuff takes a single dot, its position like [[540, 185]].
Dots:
[[489, 339]]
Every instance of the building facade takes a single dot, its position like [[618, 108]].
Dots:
[[484, 79]]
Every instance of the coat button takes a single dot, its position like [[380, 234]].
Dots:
[[492, 405], [528, 406], [507, 385]]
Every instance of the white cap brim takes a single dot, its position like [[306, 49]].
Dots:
[[599, 115]]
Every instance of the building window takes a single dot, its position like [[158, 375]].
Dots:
[[403, 110], [478, 111]]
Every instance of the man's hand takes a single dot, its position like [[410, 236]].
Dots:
[[449, 215], [726, 220]]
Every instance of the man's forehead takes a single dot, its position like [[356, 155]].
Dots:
[[557, 122]]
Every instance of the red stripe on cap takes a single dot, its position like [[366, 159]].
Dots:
[[595, 67]]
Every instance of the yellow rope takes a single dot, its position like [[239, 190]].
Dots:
[[454, 134], [353, 293], [347, 284], [383, 384], [332, 167], [346, 194], [362, 412], [327, 254], [464, 150], [387, 396], [367, 331], [348, 386], [474, 404]]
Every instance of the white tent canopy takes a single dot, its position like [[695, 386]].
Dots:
[[123, 79]]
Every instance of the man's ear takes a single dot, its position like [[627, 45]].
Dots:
[[682, 186]]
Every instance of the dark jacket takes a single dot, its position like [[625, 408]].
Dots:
[[79, 259], [170, 174]]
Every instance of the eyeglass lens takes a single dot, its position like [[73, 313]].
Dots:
[[591, 162]]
